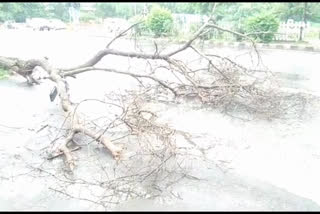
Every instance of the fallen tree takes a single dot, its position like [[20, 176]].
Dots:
[[218, 82]]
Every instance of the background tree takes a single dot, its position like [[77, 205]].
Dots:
[[120, 10], [59, 11], [264, 24], [160, 21], [19, 12]]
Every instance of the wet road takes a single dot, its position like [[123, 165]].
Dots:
[[275, 164]]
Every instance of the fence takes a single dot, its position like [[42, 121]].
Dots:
[[185, 21], [290, 30]]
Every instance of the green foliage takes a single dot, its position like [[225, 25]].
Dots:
[[265, 22], [189, 8], [34, 10], [4, 73], [104, 10], [234, 12], [159, 21], [237, 12], [194, 27], [291, 10], [124, 10], [119, 10], [141, 28], [313, 12], [20, 11], [87, 17], [203, 8], [295, 11], [59, 11]]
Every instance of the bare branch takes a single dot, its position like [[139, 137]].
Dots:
[[122, 33], [209, 60], [257, 33], [187, 44], [213, 10], [162, 83], [229, 31], [61, 153], [237, 34], [94, 60], [105, 52]]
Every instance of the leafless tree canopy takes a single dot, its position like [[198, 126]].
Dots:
[[216, 82]]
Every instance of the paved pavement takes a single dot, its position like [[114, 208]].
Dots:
[[313, 47]]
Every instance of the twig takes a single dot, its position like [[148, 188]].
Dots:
[[43, 127], [122, 72], [122, 33], [61, 153]]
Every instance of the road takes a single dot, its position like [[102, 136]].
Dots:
[[275, 164]]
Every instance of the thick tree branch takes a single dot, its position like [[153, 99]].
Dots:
[[162, 83], [187, 44], [76, 125], [94, 60]]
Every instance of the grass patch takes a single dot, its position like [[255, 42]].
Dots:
[[313, 34], [4, 73]]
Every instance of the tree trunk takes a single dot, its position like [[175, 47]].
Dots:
[[305, 12], [304, 21]]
